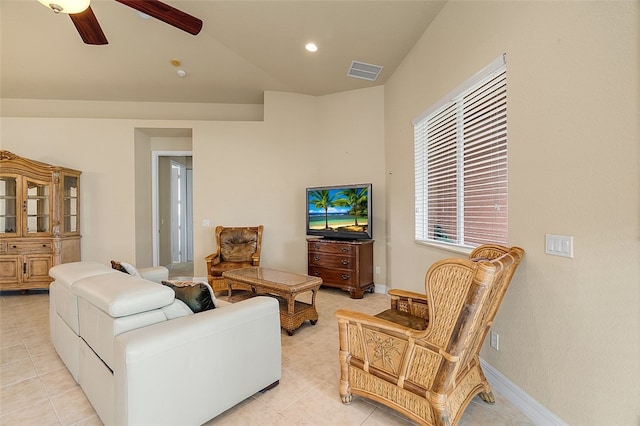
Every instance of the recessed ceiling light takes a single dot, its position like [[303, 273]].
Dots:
[[181, 73], [311, 47]]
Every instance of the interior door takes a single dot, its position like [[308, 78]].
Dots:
[[189, 216], [177, 214]]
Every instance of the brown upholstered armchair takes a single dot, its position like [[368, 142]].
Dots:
[[238, 247], [421, 357]]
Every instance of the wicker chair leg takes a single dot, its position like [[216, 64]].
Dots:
[[487, 397], [344, 388]]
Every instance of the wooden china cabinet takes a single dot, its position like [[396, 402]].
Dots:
[[39, 220]]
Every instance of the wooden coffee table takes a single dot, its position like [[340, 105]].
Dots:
[[285, 286]]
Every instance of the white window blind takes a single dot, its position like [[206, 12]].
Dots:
[[461, 163]]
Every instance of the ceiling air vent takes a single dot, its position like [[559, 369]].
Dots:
[[364, 71]]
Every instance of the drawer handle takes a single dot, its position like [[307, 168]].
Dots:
[[345, 249], [44, 245], [345, 276], [14, 246], [316, 257], [345, 262]]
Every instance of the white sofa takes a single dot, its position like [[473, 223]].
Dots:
[[143, 358]]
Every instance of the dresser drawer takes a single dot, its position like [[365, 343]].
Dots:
[[331, 260], [332, 248], [333, 277]]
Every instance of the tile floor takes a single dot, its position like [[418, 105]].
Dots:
[[36, 388]]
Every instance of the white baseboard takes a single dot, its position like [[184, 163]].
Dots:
[[531, 408], [380, 288]]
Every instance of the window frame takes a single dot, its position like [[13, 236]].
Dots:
[[451, 108]]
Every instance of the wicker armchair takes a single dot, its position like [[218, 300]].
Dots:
[[238, 247], [421, 357]]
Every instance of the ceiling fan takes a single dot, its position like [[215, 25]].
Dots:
[[87, 24]]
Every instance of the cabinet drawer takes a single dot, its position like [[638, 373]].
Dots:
[[333, 276], [331, 260], [29, 246], [333, 248]]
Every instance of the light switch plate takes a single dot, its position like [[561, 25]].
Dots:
[[495, 340], [559, 245]]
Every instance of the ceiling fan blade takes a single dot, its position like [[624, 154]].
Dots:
[[87, 25], [167, 14]]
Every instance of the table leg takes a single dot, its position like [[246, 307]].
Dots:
[[313, 304]]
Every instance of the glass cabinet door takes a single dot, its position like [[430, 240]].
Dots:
[[37, 207], [70, 203], [8, 205]]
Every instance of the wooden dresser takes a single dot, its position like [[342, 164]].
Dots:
[[39, 221], [343, 264]]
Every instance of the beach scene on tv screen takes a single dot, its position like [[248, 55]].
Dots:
[[340, 210]]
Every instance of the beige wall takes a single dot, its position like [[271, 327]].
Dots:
[[569, 328], [256, 173], [244, 172]]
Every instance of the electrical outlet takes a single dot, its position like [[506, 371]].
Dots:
[[495, 340], [377, 270]]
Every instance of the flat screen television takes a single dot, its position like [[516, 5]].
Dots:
[[341, 212]]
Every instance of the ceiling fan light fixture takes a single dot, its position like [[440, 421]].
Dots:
[[66, 6]]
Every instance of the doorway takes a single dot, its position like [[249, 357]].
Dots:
[[172, 183]]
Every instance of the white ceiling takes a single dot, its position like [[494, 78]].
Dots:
[[244, 48]]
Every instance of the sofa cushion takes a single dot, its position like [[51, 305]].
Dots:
[[67, 274], [198, 296], [121, 294], [98, 328], [238, 245], [176, 310]]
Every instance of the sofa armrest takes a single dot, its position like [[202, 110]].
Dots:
[[155, 273], [207, 362]]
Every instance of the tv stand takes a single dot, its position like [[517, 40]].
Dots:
[[345, 264]]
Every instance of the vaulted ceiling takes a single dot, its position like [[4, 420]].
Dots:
[[244, 49]]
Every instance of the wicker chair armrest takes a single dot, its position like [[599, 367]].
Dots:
[[408, 301], [406, 294], [367, 321], [212, 259]]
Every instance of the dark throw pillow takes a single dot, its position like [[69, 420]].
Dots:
[[118, 266], [125, 267], [196, 295]]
